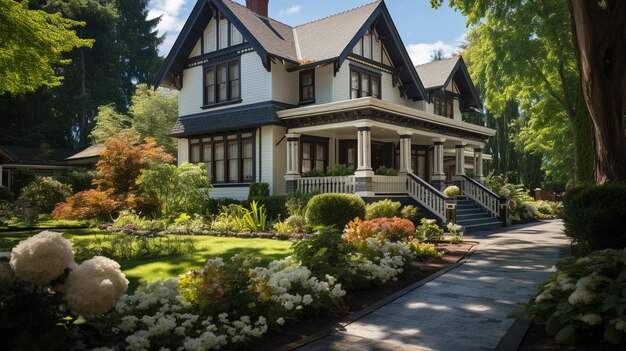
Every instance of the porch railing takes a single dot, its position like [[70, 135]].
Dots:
[[482, 195], [342, 184], [389, 184], [429, 197]]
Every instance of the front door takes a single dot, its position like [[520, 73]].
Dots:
[[382, 154]]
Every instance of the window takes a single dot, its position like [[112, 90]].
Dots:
[[235, 36], [369, 46], [222, 83], [364, 84], [210, 38], [314, 154], [227, 158], [223, 31], [443, 106], [307, 86]]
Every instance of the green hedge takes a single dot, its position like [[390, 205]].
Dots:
[[334, 209], [274, 206], [593, 215]]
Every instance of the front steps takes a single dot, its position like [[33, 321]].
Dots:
[[473, 217]]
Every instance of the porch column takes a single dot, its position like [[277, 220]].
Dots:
[[405, 152], [438, 178], [459, 169], [478, 163], [364, 173], [293, 162]]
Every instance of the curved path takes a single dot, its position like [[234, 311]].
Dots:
[[466, 308]]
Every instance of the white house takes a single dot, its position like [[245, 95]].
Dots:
[[261, 101]]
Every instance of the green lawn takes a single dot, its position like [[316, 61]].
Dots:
[[149, 270]]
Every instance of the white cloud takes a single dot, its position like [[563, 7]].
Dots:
[[290, 11], [421, 53], [172, 20]]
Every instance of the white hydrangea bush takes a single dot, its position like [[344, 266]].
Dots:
[[41, 258], [95, 286], [382, 261], [585, 299]]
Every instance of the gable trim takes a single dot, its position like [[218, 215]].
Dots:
[[460, 65]]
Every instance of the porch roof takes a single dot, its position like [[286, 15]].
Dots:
[[377, 110]]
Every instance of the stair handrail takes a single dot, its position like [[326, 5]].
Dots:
[[430, 197], [485, 197]]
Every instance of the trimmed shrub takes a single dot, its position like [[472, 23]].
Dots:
[[45, 192], [593, 216], [5, 194], [339, 170], [258, 190], [386, 171], [382, 209], [411, 213], [452, 190], [334, 209]]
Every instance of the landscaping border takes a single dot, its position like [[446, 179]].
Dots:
[[352, 317]]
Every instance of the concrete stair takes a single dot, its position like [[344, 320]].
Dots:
[[473, 217]]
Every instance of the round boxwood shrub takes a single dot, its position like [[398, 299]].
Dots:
[[334, 209], [593, 215]]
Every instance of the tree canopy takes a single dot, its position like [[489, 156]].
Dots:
[[32, 46]]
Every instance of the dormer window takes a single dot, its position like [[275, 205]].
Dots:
[[443, 106], [222, 83], [307, 86]]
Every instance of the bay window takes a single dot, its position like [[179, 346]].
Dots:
[[227, 158]]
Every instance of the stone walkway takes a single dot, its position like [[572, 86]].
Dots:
[[467, 307]]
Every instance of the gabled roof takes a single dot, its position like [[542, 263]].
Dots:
[[438, 74], [326, 40], [91, 151], [34, 155]]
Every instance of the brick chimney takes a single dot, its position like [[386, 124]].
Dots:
[[258, 6]]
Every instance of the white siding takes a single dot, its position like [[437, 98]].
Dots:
[[341, 83], [274, 158], [238, 193], [197, 50], [285, 84], [255, 86], [324, 84], [183, 151]]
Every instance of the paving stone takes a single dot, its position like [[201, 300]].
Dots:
[[465, 308]]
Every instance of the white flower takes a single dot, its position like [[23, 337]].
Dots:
[[590, 318], [280, 321], [41, 258], [543, 296], [95, 286], [581, 295]]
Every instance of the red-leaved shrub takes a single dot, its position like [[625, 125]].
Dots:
[[393, 229], [86, 205]]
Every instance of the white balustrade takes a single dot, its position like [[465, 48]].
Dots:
[[481, 195], [389, 184], [342, 184], [427, 196]]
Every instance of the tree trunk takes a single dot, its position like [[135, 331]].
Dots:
[[599, 33]]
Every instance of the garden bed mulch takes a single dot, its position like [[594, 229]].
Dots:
[[296, 334]]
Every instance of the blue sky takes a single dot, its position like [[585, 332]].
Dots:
[[422, 28]]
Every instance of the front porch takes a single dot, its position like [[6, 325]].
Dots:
[[367, 134]]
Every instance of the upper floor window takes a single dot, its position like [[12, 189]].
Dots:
[[369, 46], [220, 34], [227, 158], [364, 84], [307, 86], [222, 83], [443, 106]]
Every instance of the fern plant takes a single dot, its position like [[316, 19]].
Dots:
[[256, 217]]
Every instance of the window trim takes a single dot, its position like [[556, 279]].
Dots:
[[371, 74], [302, 73], [214, 65], [223, 138], [447, 102], [314, 141], [372, 33]]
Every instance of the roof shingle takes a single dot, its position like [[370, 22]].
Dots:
[[436, 73]]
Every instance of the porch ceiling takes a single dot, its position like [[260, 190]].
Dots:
[[387, 119]]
